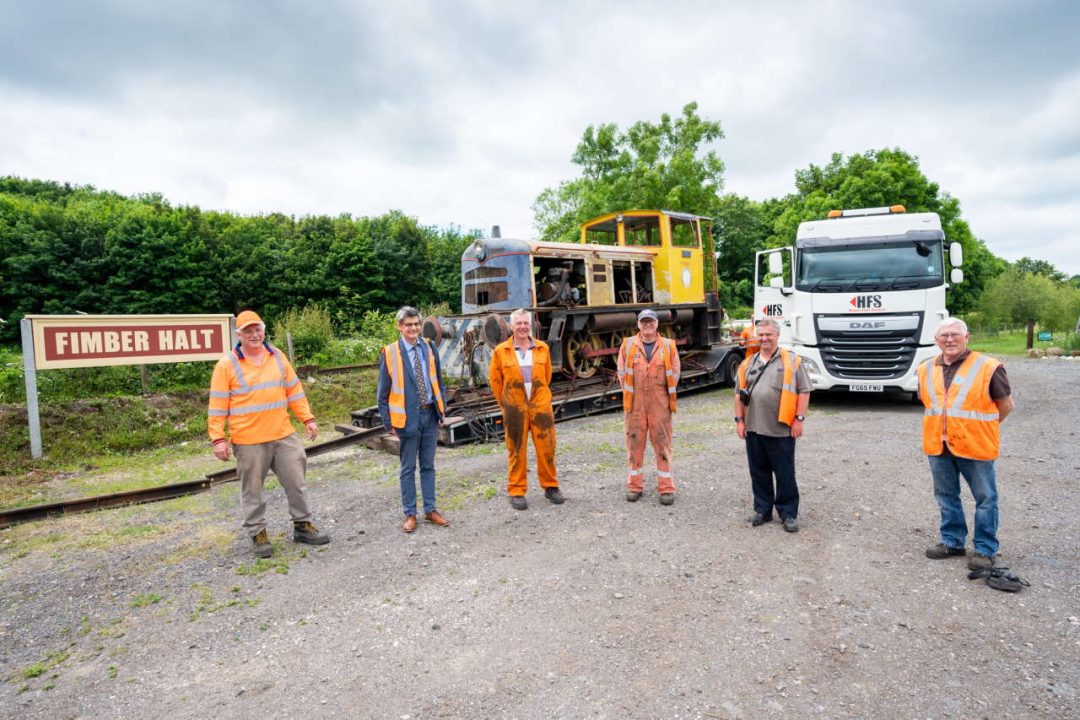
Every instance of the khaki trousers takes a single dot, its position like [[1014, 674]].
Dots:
[[287, 458]]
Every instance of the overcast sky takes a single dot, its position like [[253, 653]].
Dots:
[[461, 113]]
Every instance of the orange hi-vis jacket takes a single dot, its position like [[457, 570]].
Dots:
[[789, 394], [396, 367], [965, 417], [631, 346], [255, 399]]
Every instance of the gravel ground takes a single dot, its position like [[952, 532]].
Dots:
[[598, 608]]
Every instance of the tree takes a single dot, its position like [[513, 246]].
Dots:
[[661, 166], [1040, 267], [880, 178], [1023, 298], [740, 230]]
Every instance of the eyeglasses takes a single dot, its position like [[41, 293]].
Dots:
[[950, 336], [412, 324]]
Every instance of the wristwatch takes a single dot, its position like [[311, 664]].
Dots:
[[800, 418], [738, 419]]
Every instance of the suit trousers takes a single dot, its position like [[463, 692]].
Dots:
[[288, 459], [771, 457], [419, 445]]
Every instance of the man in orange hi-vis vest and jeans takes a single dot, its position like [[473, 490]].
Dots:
[[649, 370], [253, 389], [520, 379], [966, 395]]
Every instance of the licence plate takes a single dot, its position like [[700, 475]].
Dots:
[[867, 387]]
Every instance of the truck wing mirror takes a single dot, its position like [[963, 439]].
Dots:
[[776, 265], [956, 255], [956, 276], [776, 282]]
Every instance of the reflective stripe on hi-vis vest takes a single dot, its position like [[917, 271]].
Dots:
[[626, 377], [966, 415], [396, 368], [789, 389]]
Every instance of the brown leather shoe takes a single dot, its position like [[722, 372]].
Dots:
[[435, 518], [409, 525]]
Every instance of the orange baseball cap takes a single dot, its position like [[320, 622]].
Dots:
[[248, 317]]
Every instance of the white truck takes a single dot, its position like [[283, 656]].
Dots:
[[858, 296]]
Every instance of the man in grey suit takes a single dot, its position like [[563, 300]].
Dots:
[[410, 398]]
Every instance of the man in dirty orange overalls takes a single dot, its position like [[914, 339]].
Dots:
[[520, 379], [649, 372]]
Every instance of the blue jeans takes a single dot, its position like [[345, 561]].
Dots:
[[420, 444], [946, 470]]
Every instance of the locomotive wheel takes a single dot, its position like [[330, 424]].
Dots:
[[576, 362]]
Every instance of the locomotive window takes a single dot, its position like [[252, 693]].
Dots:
[[684, 234], [600, 237], [643, 232], [598, 267], [485, 272], [486, 293]]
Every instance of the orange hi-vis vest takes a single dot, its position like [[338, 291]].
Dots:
[[396, 367], [626, 376], [255, 399], [789, 394], [965, 417]]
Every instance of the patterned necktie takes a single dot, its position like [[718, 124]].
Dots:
[[418, 373]]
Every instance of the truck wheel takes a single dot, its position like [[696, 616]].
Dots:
[[731, 368]]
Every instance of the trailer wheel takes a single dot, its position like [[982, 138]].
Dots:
[[731, 368]]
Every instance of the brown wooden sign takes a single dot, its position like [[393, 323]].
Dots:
[[69, 341]]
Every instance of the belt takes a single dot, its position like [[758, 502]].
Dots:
[[427, 407]]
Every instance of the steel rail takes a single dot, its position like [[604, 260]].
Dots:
[[14, 516]]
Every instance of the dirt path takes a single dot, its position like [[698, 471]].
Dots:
[[598, 608]]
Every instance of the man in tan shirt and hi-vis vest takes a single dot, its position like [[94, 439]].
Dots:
[[966, 395], [771, 398], [253, 388], [649, 368]]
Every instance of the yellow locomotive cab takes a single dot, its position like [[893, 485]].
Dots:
[[674, 241]]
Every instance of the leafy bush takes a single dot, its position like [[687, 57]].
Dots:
[[312, 334]]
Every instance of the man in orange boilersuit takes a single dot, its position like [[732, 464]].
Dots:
[[520, 379], [649, 370]]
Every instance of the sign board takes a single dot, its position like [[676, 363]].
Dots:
[[71, 341], [1045, 336], [51, 342]]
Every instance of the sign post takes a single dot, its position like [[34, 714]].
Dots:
[[69, 341], [30, 376]]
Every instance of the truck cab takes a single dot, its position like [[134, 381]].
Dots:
[[859, 294]]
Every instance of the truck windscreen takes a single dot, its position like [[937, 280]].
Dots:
[[907, 265]]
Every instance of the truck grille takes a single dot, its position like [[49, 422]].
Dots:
[[868, 355]]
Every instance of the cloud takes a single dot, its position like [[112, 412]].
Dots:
[[462, 113]]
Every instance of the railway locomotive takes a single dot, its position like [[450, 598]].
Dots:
[[585, 296]]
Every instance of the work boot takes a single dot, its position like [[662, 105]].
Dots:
[[978, 561], [263, 548], [791, 525], [307, 533], [518, 502], [942, 551], [554, 496], [667, 498], [633, 495]]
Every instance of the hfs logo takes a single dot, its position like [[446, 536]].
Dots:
[[866, 302], [775, 310]]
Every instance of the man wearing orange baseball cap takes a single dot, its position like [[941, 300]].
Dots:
[[253, 387]]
